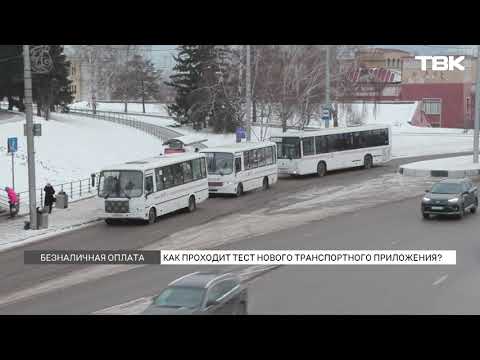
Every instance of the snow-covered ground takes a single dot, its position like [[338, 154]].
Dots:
[[71, 148], [154, 109], [453, 163]]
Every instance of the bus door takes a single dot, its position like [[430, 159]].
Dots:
[[149, 188]]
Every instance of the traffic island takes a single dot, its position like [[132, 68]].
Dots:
[[452, 167]]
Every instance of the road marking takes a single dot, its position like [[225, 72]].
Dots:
[[440, 280], [132, 307]]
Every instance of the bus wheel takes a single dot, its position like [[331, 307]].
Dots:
[[110, 221], [368, 162], [191, 204], [265, 183], [321, 169], [239, 190], [152, 216]]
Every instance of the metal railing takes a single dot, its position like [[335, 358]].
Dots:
[[124, 119], [76, 190]]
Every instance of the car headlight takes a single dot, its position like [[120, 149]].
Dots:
[[454, 200], [426, 199]]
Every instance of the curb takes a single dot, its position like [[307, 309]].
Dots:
[[438, 173]]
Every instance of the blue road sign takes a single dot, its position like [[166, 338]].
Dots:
[[12, 145], [240, 132]]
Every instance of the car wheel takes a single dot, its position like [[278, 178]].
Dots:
[[368, 162], [321, 169], [473, 210], [426, 216], [239, 190], [265, 185], [192, 205], [152, 216], [242, 309]]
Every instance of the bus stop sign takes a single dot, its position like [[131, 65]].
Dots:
[[12, 145]]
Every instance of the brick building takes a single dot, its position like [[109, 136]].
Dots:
[[447, 97]]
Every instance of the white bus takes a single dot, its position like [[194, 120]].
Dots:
[[153, 187], [233, 169], [310, 152]]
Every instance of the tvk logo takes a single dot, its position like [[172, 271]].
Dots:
[[442, 63]]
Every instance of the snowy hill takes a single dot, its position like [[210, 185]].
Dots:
[[71, 148]]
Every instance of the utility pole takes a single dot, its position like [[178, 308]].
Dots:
[[477, 109], [248, 95], [327, 82], [30, 143]]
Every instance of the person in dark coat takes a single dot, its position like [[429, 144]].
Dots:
[[49, 197]]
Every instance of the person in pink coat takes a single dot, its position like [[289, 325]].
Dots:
[[12, 198]]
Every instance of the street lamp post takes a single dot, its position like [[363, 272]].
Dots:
[[30, 138], [477, 109]]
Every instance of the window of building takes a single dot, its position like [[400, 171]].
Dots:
[[432, 106]]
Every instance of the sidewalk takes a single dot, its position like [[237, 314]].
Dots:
[[79, 214], [454, 167]]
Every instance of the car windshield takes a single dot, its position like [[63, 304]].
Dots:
[[177, 296], [120, 184], [219, 163], [446, 188]]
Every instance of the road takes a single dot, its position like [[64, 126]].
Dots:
[[22, 288]]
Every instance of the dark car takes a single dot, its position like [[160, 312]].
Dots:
[[201, 293], [450, 197]]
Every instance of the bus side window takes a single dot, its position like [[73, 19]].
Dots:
[[238, 164], [196, 169], [261, 157], [159, 179], [274, 154], [269, 155], [177, 174], [187, 171], [321, 144], [167, 176], [246, 159], [253, 159]]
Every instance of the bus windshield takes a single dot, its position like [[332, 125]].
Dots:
[[288, 147], [120, 184], [219, 163]]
